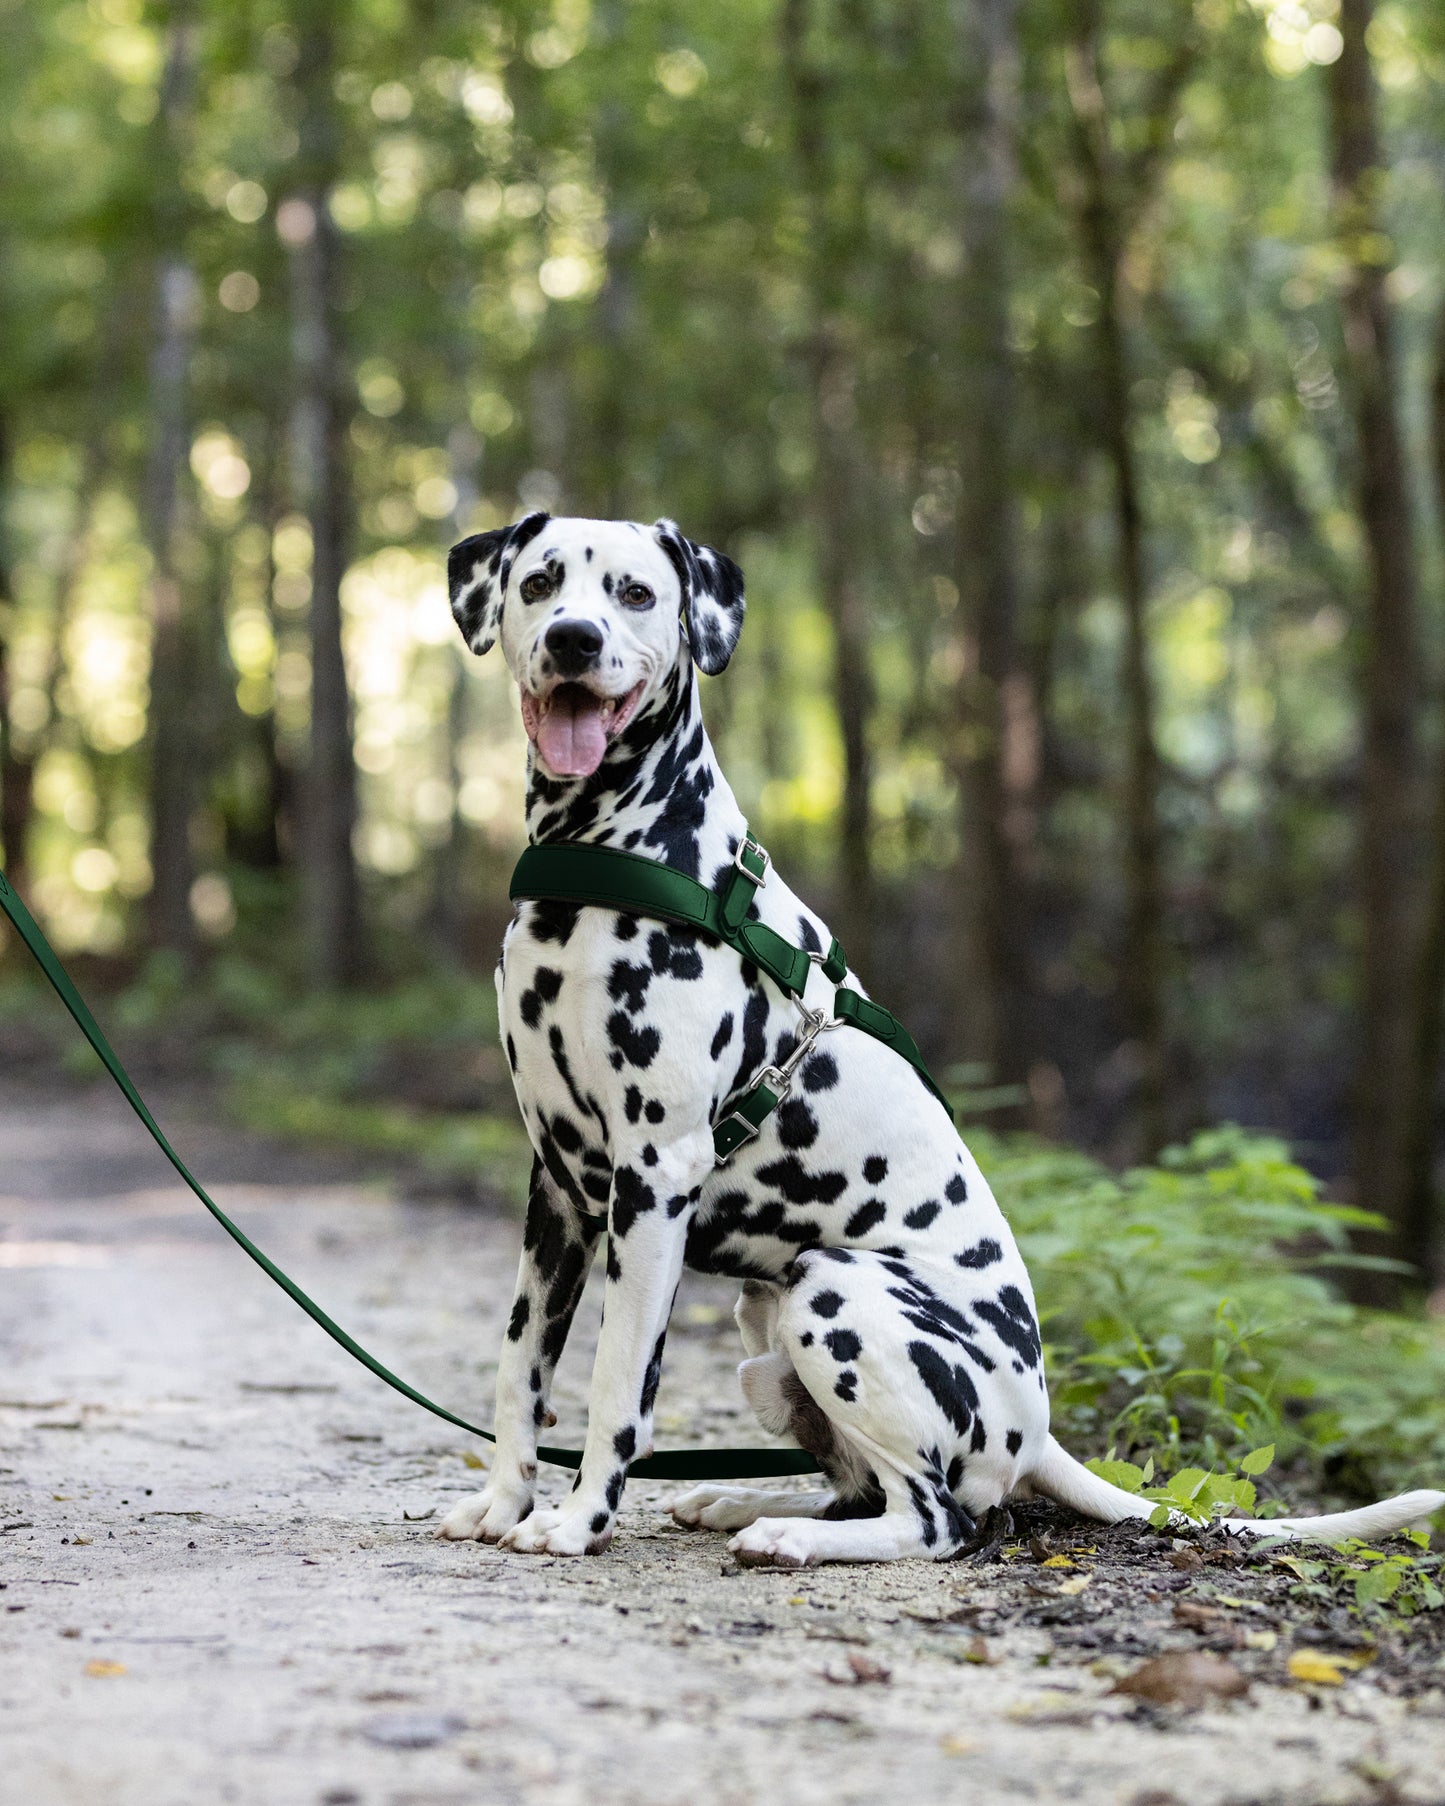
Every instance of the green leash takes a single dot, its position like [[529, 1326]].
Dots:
[[680, 1464]]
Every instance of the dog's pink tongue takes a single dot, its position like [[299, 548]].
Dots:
[[570, 736]]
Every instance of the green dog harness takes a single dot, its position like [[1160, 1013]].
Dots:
[[574, 872]]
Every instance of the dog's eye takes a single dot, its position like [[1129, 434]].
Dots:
[[637, 595], [536, 585]]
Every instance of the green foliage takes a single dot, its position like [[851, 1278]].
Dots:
[[1371, 1584], [1192, 1491], [1188, 1309]]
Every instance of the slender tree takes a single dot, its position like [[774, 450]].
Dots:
[[993, 885], [837, 491], [321, 415], [1114, 188], [174, 746], [1389, 675]]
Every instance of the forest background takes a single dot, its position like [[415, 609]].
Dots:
[[1068, 376]]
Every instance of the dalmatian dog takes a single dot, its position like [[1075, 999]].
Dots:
[[887, 1319]]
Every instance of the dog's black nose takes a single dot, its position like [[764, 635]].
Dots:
[[574, 645]]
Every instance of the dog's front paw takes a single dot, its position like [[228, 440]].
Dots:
[[555, 1530], [485, 1516], [776, 1543]]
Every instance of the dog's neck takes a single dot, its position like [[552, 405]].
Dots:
[[659, 790]]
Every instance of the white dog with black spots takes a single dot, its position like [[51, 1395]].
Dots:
[[886, 1315]]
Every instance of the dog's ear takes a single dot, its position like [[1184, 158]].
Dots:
[[712, 597], [477, 572]]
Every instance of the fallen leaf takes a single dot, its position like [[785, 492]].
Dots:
[[866, 1670], [1188, 1561], [417, 1517], [104, 1671], [1324, 1668], [470, 1458], [959, 1746], [83, 1541], [1039, 1547], [1058, 1561], [1185, 1677], [1072, 1587], [977, 1652], [1261, 1639], [798, 1599]]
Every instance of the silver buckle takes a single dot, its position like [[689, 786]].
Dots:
[[746, 844]]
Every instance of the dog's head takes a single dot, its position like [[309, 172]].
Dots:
[[594, 618]]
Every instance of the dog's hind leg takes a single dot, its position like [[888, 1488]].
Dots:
[[853, 1347]]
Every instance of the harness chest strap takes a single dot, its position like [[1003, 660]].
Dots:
[[607, 877]]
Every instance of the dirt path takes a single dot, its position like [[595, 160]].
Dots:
[[219, 1581]]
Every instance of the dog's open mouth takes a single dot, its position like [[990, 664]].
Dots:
[[572, 725]]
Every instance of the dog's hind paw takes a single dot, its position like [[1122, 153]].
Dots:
[[715, 1508], [483, 1517]]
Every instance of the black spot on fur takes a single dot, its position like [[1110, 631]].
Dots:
[[820, 1072], [546, 983], [797, 1125], [956, 1191], [982, 1254], [521, 1311], [865, 1218], [654, 1111], [624, 1443], [631, 1196], [653, 1377], [875, 1169], [922, 1214], [950, 1386], [846, 1385], [1014, 1441], [826, 1304], [1013, 1323], [844, 1344], [600, 1523], [637, 1046], [553, 921], [627, 984], [798, 1185], [723, 1035]]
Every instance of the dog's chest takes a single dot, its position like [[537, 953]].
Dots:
[[613, 1027]]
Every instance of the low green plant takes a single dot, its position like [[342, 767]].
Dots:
[[1192, 1492], [1373, 1584]]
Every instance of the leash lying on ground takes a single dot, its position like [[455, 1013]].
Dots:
[[678, 1464]]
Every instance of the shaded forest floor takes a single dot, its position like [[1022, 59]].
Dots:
[[219, 1579]]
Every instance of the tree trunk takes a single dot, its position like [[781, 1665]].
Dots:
[[996, 767], [1103, 229], [1390, 682], [1419, 1220], [616, 318], [836, 486], [320, 418], [16, 787], [174, 749]]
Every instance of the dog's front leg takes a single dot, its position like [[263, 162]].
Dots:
[[556, 1253], [650, 1209]]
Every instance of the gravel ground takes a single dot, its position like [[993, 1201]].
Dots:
[[218, 1579]]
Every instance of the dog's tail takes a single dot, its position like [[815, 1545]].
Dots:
[[1058, 1476]]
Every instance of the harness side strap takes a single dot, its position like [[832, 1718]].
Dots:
[[678, 1464]]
